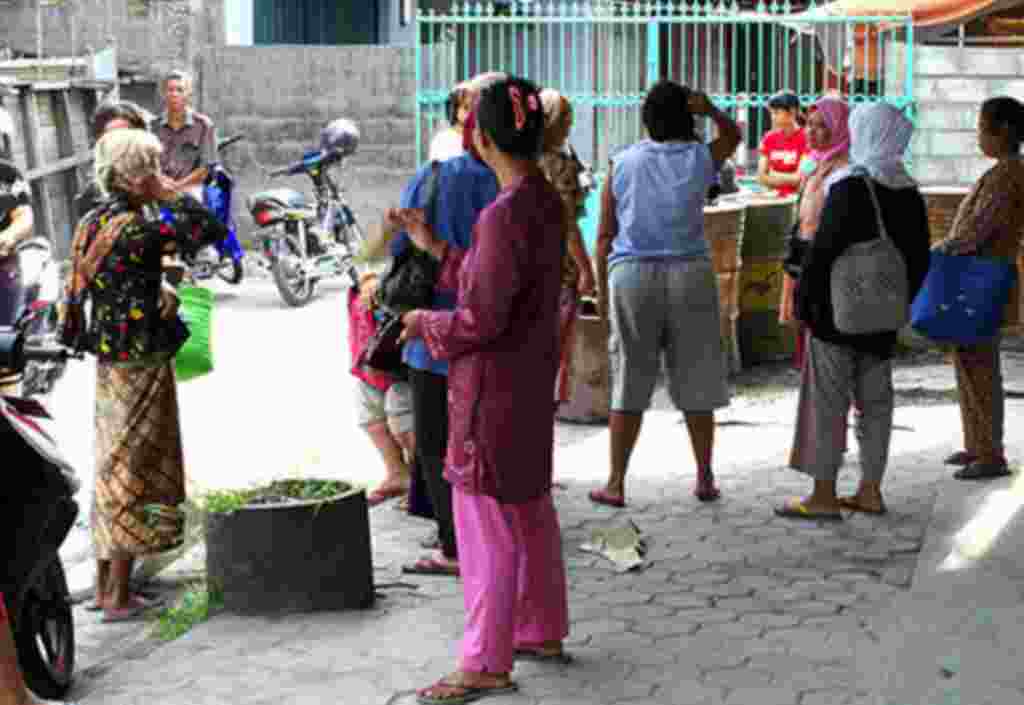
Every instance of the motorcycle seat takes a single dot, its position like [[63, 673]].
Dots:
[[283, 198]]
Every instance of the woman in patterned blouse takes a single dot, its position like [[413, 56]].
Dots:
[[563, 171], [988, 223], [133, 331]]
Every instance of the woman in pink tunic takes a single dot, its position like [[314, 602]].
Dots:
[[502, 342]]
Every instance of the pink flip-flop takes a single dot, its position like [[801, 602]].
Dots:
[[431, 566], [380, 496], [606, 498], [125, 614]]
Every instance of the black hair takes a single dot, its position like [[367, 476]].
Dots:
[[1005, 113], [784, 100], [118, 110], [451, 107], [666, 112], [496, 117]]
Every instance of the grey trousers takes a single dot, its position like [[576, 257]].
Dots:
[[832, 377]]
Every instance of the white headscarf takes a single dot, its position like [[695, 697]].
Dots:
[[879, 137]]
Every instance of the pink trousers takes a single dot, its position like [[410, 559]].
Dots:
[[513, 578]]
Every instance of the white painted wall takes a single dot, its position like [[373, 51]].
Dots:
[[239, 22]]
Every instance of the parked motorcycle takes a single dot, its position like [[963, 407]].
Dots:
[[38, 512], [304, 243], [225, 258], [39, 276]]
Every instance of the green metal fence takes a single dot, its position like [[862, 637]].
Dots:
[[604, 55]]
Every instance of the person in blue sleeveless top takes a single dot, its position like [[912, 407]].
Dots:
[[655, 279]]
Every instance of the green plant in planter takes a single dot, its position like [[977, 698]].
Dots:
[[227, 501]]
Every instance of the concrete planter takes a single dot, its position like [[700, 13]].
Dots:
[[294, 556]]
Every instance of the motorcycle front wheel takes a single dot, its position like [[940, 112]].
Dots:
[[45, 634], [230, 270], [295, 287]]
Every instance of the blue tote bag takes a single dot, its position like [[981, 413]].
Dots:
[[963, 298]]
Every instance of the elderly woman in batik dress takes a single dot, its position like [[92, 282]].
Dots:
[[988, 223], [562, 169], [133, 331]]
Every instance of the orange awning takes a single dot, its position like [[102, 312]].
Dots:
[[925, 13]]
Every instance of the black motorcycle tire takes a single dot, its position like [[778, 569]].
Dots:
[[45, 633], [291, 296], [231, 271]]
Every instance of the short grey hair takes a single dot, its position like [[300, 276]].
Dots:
[[125, 159], [176, 75]]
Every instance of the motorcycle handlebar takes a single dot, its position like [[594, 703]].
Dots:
[[225, 143], [44, 352]]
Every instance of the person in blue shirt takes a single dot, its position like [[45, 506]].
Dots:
[[656, 283], [464, 187]]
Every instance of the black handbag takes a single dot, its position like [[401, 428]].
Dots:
[[794, 252], [383, 352], [409, 281]]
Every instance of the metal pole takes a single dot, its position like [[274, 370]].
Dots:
[[419, 85], [39, 39]]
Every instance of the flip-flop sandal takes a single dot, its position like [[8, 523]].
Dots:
[[380, 496], [705, 490], [128, 614], [606, 498], [141, 597], [469, 693], [797, 510], [982, 471], [851, 504], [961, 457], [431, 566], [560, 657], [707, 494]]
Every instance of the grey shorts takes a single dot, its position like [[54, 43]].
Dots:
[[666, 312], [393, 406]]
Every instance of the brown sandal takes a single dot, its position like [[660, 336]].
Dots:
[[852, 504], [961, 457]]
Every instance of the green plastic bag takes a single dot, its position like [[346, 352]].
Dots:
[[195, 358]]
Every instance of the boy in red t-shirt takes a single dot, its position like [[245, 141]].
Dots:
[[383, 403], [784, 147]]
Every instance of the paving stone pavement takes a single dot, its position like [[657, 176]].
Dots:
[[736, 606]]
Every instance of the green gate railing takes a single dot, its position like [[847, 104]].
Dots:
[[604, 55]]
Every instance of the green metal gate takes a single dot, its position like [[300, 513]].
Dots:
[[604, 55]]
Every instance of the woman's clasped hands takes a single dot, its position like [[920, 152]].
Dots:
[[414, 222]]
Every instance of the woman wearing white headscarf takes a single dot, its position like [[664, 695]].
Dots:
[[841, 368]]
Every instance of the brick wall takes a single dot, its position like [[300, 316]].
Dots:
[[170, 34], [950, 83], [281, 96]]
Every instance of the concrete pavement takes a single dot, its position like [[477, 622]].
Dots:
[[737, 607]]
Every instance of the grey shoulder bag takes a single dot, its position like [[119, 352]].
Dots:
[[869, 283]]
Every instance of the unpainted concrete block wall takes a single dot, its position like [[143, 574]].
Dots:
[[280, 96], [170, 35], [950, 84]]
